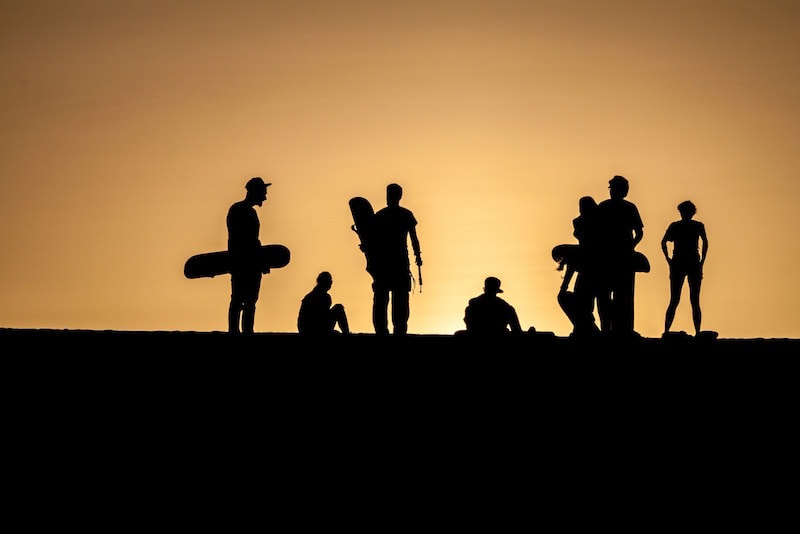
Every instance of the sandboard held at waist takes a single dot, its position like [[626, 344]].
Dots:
[[210, 264]]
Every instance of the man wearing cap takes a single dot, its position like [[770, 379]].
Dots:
[[243, 246], [620, 230], [489, 315]]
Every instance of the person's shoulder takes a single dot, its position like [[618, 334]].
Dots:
[[384, 212], [239, 205]]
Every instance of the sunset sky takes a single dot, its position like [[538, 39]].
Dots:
[[129, 127]]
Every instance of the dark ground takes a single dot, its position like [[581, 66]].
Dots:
[[512, 377], [185, 423], [276, 361]]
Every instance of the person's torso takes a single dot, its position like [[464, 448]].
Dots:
[[390, 232], [314, 310], [243, 227], [587, 233], [487, 313], [685, 236], [617, 220]]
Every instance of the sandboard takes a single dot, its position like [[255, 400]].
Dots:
[[363, 217], [570, 253], [210, 264], [640, 263]]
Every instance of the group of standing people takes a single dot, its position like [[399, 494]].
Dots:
[[606, 261], [393, 227], [603, 264]]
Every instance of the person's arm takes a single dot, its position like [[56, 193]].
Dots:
[[638, 234], [469, 318], [704, 247], [513, 320], [638, 227], [412, 233], [664, 248]]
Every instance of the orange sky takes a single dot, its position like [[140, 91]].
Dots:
[[130, 127]]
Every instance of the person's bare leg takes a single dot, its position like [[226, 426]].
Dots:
[[674, 300], [340, 318], [234, 310], [694, 299], [248, 318]]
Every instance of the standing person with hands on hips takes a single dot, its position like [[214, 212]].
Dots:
[[686, 262]]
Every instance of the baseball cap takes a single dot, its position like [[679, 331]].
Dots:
[[256, 183], [492, 285]]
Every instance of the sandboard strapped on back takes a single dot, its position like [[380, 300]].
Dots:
[[210, 264], [363, 217]]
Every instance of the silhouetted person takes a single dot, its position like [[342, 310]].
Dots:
[[689, 249], [317, 315], [393, 227], [489, 315], [579, 304], [621, 229], [243, 245]]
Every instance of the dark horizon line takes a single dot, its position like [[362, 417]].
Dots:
[[354, 334]]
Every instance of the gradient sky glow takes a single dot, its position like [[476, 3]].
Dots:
[[129, 127]]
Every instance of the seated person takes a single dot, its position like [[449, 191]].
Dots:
[[316, 315], [488, 314]]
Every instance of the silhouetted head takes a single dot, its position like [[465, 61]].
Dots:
[[586, 204], [257, 189], [687, 209], [324, 279], [492, 285], [393, 194], [618, 187]]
